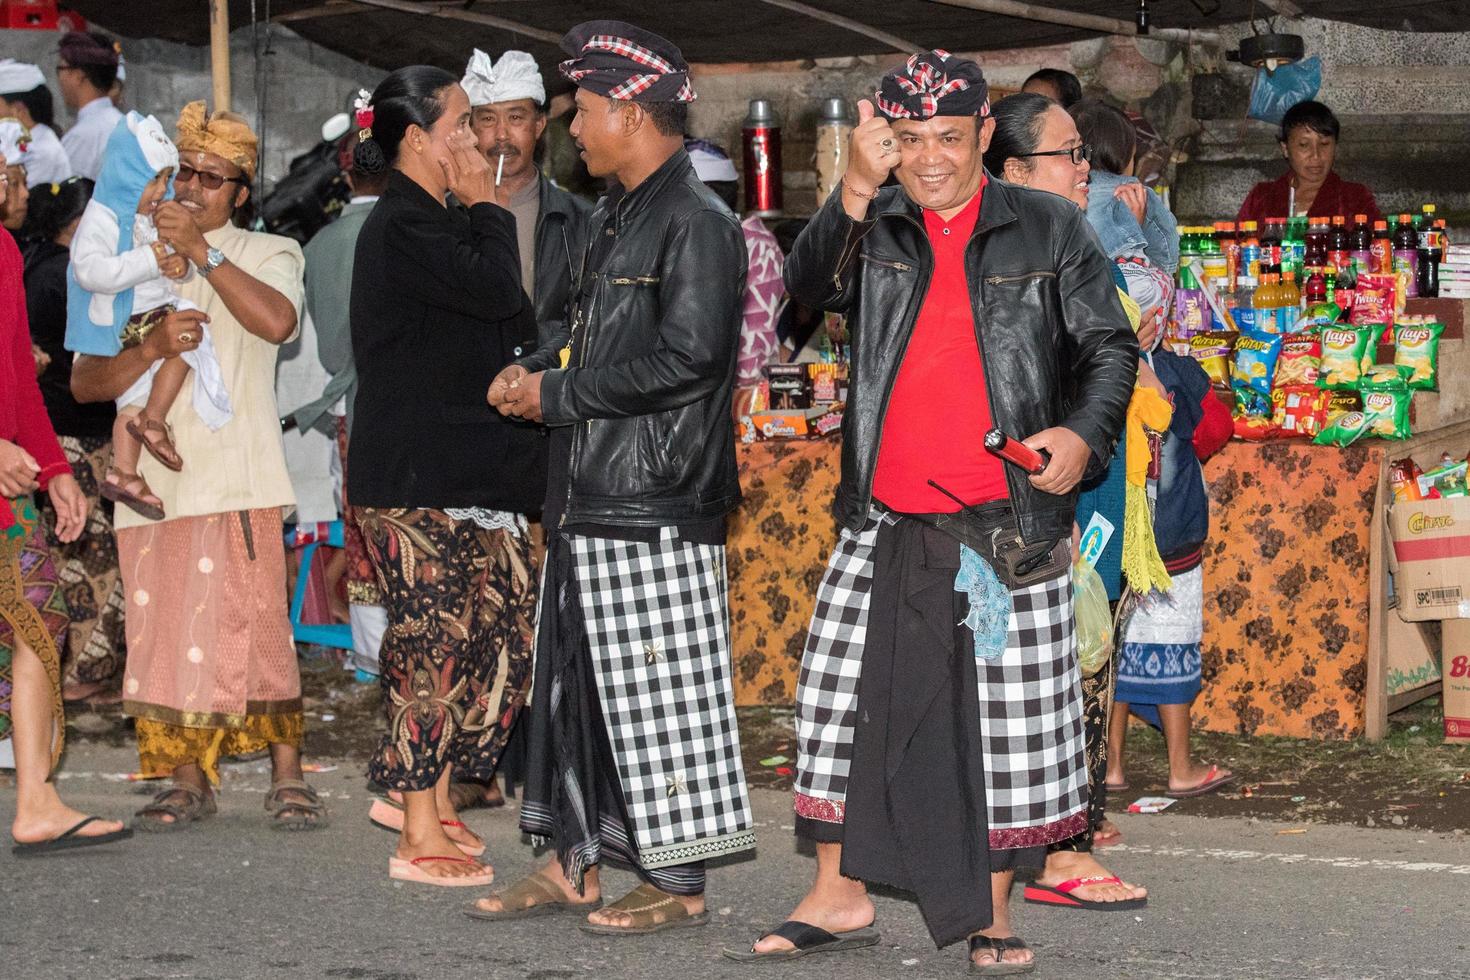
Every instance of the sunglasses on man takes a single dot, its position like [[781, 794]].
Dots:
[[209, 181]]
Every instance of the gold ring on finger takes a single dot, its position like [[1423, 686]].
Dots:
[[887, 144]]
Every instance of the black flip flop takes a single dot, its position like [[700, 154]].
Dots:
[[806, 939], [999, 967], [71, 840]]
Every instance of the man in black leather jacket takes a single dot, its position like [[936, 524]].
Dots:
[[634, 749], [972, 304]]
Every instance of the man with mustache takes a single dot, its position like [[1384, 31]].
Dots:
[[939, 707], [508, 116], [211, 667]]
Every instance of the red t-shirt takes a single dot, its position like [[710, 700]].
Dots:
[[939, 411]]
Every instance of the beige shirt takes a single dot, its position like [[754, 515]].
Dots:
[[241, 466], [526, 206]]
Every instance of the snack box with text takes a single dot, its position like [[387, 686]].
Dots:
[[1430, 558]]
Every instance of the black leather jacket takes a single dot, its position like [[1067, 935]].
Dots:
[[654, 332], [1056, 344], [561, 237]]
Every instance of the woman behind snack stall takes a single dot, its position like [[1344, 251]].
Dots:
[[1309, 136]]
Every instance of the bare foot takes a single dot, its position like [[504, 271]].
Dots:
[[619, 919], [1106, 833], [1067, 865], [839, 907], [439, 845], [1196, 776], [551, 872], [54, 820]]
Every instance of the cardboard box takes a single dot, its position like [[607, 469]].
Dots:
[[1456, 667], [1430, 558]]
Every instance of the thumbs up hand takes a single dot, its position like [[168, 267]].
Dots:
[[873, 151]]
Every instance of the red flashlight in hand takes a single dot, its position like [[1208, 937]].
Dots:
[[1016, 452]]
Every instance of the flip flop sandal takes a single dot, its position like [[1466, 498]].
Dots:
[[163, 450], [412, 870], [120, 492], [384, 815], [999, 968], [644, 905], [1116, 787], [517, 902], [70, 840], [1061, 895], [471, 796], [196, 808], [1213, 781], [806, 939], [310, 813]]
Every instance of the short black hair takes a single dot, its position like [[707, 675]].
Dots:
[[1314, 116], [1110, 131], [1068, 85], [38, 103], [669, 118], [54, 206], [1018, 125]]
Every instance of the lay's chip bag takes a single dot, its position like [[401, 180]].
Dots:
[[1347, 354], [1416, 354]]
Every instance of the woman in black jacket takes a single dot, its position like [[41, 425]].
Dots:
[[92, 662], [439, 481]]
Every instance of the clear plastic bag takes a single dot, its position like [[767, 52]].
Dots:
[[1275, 92], [1094, 621]]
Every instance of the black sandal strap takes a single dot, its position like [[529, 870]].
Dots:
[[997, 945], [800, 934], [75, 830]]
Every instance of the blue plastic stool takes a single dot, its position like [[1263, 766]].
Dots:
[[334, 635]]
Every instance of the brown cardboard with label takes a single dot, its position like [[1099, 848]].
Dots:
[[1456, 689], [1430, 558]]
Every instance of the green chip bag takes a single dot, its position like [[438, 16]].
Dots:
[[1347, 354], [1385, 415], [1416, 354]]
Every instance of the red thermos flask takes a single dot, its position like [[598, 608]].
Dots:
[[761, 136]]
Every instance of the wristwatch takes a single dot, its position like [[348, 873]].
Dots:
[[213, 259]]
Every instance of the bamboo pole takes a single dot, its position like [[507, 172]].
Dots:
[[219, 52], [806, 9], [469, 16], [1071, 18]]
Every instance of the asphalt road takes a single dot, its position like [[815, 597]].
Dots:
[[233, 899]]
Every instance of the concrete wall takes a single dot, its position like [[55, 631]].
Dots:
[[303, 84], [1404, 103]]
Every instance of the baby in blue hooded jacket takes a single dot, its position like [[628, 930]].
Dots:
[[119, 288]]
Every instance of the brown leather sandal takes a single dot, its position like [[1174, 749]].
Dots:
[[132, 491], [189, 806], [528, 898], [289, 813], [651, 911], [163, 449]]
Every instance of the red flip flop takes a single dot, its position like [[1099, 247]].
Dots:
[[1061, 895], [1213, 781]]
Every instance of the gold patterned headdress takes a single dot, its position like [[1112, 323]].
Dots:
[[225, 134]]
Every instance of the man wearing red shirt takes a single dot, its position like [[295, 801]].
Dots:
[[972, 305]]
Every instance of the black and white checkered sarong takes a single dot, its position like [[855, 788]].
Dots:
[[658, 630], [1030, 704]]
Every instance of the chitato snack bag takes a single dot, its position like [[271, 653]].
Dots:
[[1255, 361], [1347, 354], [1212, 351], [1416, 354]]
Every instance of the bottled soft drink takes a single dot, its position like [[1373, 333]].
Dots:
[[1264, 302], [1250, 250], [1339, 244], [1230, 246], [1316, 246], [1289, 303], [1315, 290], [1406, 253], [1272, 241], [1381, 260], [1361, 239], [1294, 244], [1429, 254], [1244, 309], [1329, 284]]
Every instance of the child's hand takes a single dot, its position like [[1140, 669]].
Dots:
[[174, 266]]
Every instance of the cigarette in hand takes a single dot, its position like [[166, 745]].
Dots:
[[499, 169]]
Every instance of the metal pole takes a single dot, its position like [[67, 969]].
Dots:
[[219, 52]]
